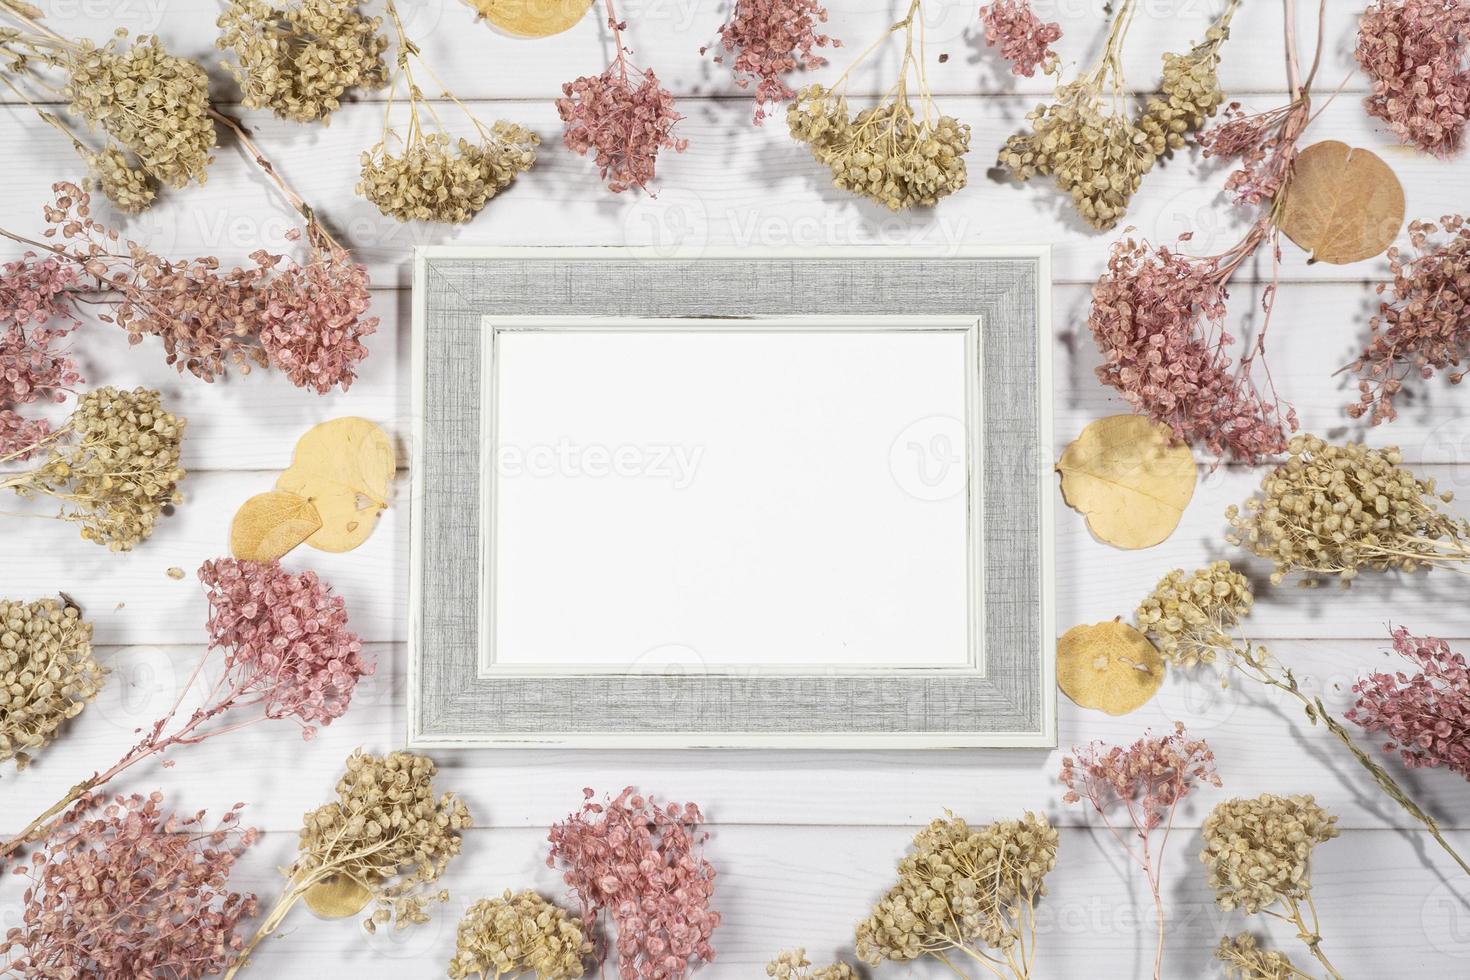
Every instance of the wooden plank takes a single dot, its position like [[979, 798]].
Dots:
[[1261, 740]]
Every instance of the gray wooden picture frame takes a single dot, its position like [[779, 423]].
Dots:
[[1008, 699]]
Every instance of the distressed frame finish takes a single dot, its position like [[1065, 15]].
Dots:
[[1011, 702]]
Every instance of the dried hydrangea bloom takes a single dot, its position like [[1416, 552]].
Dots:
[[387, 832], [769, 40], [1426, 714], [1159, 319], [794, 965], [1415, 51], [47, 673], [130, 189], [132, 890], [1333, 511], [1426, 326], [1192, 617], [435, 179], [1025, 39], [622, 118], [520, 935], [963, 889], [1258, 851], [154, 104], [641, 865], [112, 467], [299, 59], [1245, 959]]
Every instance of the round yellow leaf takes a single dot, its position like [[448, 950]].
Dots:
[[344, 468], [1125, 477], [532, 18], [337, 897], [270, 524], [1108, 666], [1342, 204]]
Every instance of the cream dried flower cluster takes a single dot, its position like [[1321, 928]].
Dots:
[[1245, 959], [885, 153], [519, 935], [113, 466], [1335, 510], [1258, 851], [961, 887], [129, 188], [299, 60], [1087, 140], [1191, 617], [436, 179], [794, 965], [47, 673]]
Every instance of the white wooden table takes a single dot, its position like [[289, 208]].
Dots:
[[804, 841]]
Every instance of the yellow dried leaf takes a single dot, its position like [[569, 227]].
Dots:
[[270, 524], [1108, 666], [343, 467], [532, 18], [1123, 475], [1342, 204], [337, 897]]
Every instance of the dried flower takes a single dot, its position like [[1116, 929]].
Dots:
[[1025, 40], [793, 965], [641, 865], [1086, 139], [47, 673], [892, 153], [1414, 50], [1264, 145], [386, 831], [130, 189], [298, 60], [770, 39], [519, 935], [1258, 855], [111, 467], [426, 175], [131, 891], [1147, 779], [1426, 326], [287, 655], [1196, 618], [963, 889], [33, 294], [1159, 318], [1244, 959], [305, 319], [622, 117], [1333, 511], [1426, 715]]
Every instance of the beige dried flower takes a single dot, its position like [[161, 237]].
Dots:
[[794, 965], [1333, 511], [891, 153], [1244, 959], [386, 832], [520, 935], [129, 188], [47, 673], [1192, 617], [1189, 93], [298, 60], [112, 467], [963, 889]]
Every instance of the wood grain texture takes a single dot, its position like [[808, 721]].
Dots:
[[805, 841]]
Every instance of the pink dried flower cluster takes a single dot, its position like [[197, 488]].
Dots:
[[132, 891], [1426, 715], [1426, 326], [1158, 317], [1147, 780], [1415, 53], [770, 39], [1025, 39], [288, 654], [304, 319], [642, 865], [623, 117], [32, 368], [1265, 146]]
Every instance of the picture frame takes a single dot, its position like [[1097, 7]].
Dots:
[[915, 617]]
